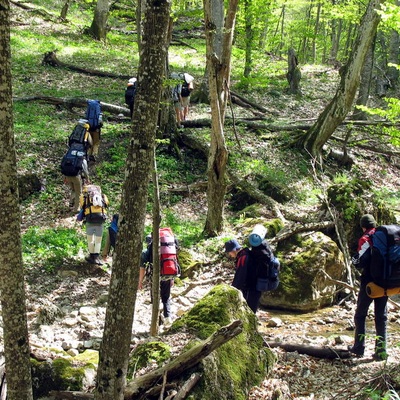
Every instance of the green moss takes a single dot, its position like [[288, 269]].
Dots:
[[241, 363], [67, 377], [148, 353], [210, 313], [88, 357]]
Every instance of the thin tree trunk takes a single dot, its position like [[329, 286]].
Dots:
[[342, 102], [114, 350], [155, 285], [12, 289], [219, 67]]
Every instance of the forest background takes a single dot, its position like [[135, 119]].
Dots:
[[263, 35]]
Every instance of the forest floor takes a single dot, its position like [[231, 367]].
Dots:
[[295, 376]]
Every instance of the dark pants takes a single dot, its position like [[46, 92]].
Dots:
[[252, 298], [380, 316], [165, 294]]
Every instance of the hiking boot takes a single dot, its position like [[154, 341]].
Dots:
[[97, 259], [91, 258], [356, 352]]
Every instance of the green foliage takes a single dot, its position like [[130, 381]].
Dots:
[[345, 194], [50, 247]]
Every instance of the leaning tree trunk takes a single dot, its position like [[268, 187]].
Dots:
[[342, 102], [98, 29], [219, 68], [365, 84], [12, 289], [114, 350], [294, 74]]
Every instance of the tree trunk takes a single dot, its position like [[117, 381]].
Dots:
[[155, 286], [114, 350], [218, 66], [394, 49], [12, 289], [293, 75], [342, 102], [64, 10], [365, 84], [98, 29], [248, 12]]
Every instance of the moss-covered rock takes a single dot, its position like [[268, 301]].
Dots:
[[303, 285], [243, 362], [154, 352], [64, 373]]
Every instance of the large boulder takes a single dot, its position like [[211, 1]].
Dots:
[[234, 368], [304, 286]]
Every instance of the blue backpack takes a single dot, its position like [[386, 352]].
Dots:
[[385, 256], [267, 267], [94, 115]]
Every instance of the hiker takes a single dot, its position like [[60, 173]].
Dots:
[[130, 93], [187, 87], [74, 167], [94, 117], [362, 262], [93, 212], [111, 237], [169, 268], [245, 278], [177, 99]]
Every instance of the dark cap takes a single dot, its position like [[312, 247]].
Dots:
[[232, 245], [367, 221]]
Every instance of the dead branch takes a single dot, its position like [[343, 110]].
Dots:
[[314, 351], [187, 386], [184, 361], [50, 58], [195, 284], [65, 395], [289, 231], [74, 102]]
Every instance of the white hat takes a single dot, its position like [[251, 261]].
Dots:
[[188, 78], [132, 81]]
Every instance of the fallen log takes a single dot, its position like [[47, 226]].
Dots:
[[71, 102], [184, 361], [50, 58], [65, 395], [314, 351]]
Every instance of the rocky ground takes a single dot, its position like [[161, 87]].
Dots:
[[67, 311]]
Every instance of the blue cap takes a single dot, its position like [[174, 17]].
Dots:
[[232, 245]]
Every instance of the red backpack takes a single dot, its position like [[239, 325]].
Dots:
[[168, 249]]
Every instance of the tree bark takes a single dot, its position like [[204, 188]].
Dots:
[[218, 66], [114, 350], [293, 75], [98, 29], [184, 361], [342, 102], [12, 289]]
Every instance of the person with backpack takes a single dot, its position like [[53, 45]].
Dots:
[[130, 93], [186, 90], [245, 278], [362, 261], [177, 99], [94, 117], [75, 169], [93, 212], [111, 237], [169, 268]]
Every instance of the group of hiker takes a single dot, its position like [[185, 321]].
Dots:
[[181, 90], [86, 199]]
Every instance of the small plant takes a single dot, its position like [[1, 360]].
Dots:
[[50, 247]]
